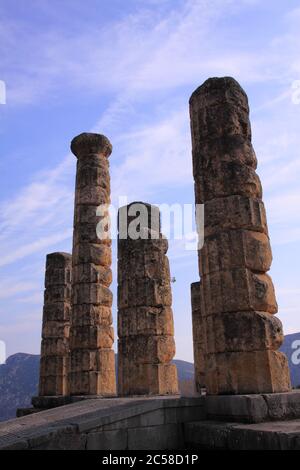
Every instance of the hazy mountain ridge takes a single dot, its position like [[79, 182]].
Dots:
[[19, 376]]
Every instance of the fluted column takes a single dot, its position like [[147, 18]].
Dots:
[[242, 334], [91, 335], [54, 362], [146, 343]]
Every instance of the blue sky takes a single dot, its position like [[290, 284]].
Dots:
[[127, 69]]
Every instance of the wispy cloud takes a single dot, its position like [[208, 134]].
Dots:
[[146, 63]]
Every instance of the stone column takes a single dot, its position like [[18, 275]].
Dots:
[[146, 343], [198, 337], [54, 363], [242, 334], [91, 335]]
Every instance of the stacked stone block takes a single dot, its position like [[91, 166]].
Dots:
[[145, 319], [236, 296], [198, 337], [54, 363], [91, 336]]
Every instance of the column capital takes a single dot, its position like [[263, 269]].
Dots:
[[88, 143]]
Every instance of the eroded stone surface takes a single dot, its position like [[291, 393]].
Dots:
[[199, 336], [236, 336], [91, 335], [54, 363], [145, 319]]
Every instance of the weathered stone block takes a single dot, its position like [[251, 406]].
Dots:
[[54, 366], [235, 249], [231, 148], [243, 331], [97, 232], [91, 337], [57, 293], [87, 214], [146, 321], [58, 260], [129, 247], [55, 329], [149, 379], [234, 212], [238, 290], [222, 179], [93, 177], [54, 385], [247, 372], [55, 346], [85, 273], [199, 335], [98, 254], [92, 293], [140, 264], [57, 311], [144, 292], [92, 360], [88, 314], [93, 383], [57, 276], [152, 349], [144, 216], [88, 195]]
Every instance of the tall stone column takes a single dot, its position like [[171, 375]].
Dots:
[[242, 335], [146, 343], [54, 362], [198, 337], [91, 335]]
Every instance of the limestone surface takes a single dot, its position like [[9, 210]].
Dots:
[[92, 363], [146, 343], [236, 335], [55, 358]]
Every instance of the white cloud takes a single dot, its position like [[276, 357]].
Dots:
[[145, 63], [11, 288]]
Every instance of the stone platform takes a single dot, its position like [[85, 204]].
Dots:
[[161, 423], [105, 424], [253, 408], [214, 435]]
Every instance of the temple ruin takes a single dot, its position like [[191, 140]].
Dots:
[[239, 373], [55, 358], [236, 335], [146, 343], [236, 296], [92, 359]]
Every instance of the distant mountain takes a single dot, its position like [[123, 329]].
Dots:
[[19, 376], [18, 383]]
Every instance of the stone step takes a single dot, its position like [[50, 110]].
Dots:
[[275, 435]]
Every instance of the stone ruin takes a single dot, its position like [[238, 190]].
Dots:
[[55, 358], [146, 343], [92, 364], [235, 332]]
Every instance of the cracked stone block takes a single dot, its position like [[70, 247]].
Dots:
[[231, 249], [239, 372]]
